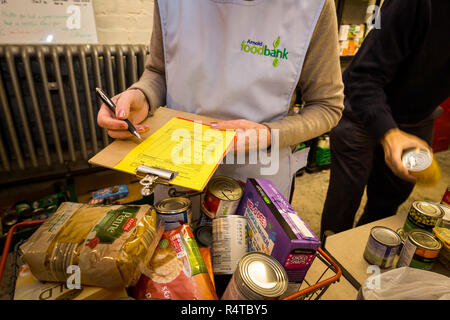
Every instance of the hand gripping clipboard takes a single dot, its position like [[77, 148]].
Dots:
[[115, 152]]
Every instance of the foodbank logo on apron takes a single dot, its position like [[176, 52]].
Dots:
[[262, 49]]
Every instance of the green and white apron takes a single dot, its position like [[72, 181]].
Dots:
[[233, 59]]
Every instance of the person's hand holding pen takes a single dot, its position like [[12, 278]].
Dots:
[[131, 105]]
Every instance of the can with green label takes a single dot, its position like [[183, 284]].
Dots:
[[421, 250], [423, 215]]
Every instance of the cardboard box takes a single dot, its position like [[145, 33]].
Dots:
[[276, 229], [29, 288]]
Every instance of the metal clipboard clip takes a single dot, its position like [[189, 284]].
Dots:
[[150, 176]]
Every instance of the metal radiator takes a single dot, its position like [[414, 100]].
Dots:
[[48, 106]]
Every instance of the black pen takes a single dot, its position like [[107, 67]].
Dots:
[[112, 107]]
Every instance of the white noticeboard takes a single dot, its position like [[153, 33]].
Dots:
[[47, 21]]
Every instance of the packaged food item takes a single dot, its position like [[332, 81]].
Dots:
[[443, 234], [111, 193], [422, 165], [423, 215], [110, 244], [276, 229], [177, 270], [382, 247], [29, 288], [258, 276]]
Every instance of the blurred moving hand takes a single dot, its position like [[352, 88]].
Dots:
[[131, 105], [394, 143]]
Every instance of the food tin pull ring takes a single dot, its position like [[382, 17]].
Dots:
[[150, 176]]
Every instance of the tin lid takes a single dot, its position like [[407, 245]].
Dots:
[[386, 236], [173, 205], [424, 239], [225, 188], [262, 275], [417, 159], [429, 209], [203, 234]]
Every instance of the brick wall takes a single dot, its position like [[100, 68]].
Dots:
[[123, 21]]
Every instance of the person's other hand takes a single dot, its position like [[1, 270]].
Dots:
[[131, 105], [249, 133], [394, 143]]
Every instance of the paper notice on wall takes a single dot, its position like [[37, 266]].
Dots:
[[47, 21]]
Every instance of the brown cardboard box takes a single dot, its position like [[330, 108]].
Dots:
[[29, 288]]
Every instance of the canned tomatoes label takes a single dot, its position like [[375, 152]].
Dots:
[[229, 242], [420, 250], [222, 197], [382, 247], [174, 211], [422, 215]]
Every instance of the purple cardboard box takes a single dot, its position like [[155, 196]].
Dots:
[[276, 229]]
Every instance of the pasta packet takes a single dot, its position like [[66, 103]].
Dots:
[[178, 270], [109, 244]]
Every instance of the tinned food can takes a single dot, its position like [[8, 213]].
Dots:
[[24, 211], [421, 250], [174, 211], [222, 196], [10, 218], [203, 231], [422, 165], [382, 247], [422, 215], [258, 276], [444, 221], [229, 243]]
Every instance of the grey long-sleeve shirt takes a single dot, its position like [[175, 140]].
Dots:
[[320, 81]]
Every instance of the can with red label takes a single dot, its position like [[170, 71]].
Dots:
[[222, 197], [446, 197]]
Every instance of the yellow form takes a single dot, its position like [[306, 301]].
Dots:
[[190, 148]]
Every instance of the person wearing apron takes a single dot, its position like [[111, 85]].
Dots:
[[242, 62]]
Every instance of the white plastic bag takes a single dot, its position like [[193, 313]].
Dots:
[[406, 284]]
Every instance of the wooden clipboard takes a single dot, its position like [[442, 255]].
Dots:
[[110, 156]]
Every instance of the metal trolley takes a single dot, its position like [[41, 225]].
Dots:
[[310, 290]]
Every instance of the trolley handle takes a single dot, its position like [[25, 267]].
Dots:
[[320, 284], [9, 240]]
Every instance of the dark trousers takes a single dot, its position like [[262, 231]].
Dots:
[[357, 161]]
